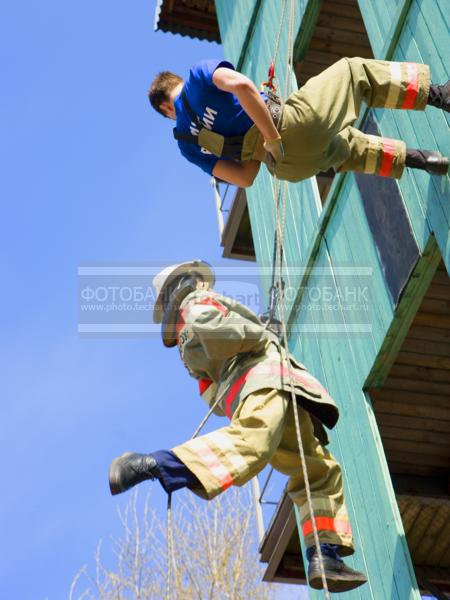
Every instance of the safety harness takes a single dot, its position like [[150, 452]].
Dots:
[[276, 292], [219, 145], [225, 147]]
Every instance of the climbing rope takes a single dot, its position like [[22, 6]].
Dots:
[[169, 509], [271, 74], [276, 298], [169, 546], [296, 416], [280, 197]]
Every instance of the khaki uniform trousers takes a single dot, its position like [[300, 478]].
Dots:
[[316, 125], [261, 432]]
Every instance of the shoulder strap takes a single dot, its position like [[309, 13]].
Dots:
[[188, 137], [185, 137], [194, 117], [232, 146]]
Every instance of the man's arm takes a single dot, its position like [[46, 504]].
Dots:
[[241, 174], [245, 91], [244, 173], [222, 332]]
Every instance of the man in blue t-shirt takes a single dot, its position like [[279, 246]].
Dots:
[[224, 126], [225, 101]]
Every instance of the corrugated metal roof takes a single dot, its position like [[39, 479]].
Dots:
[[192, 18]]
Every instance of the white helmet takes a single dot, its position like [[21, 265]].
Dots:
[[198, 268]]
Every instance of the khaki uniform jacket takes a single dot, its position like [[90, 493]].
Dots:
[[226, 347]]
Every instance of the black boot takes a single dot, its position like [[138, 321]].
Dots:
[[439, 96], [130, 469], [431, 162], [340, 578]]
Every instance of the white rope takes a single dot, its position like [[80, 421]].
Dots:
[[280, 192], [203, 423], [297, 420], [280, 29], [169, 509], [169, 546]]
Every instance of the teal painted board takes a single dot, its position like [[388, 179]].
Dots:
[[323, 339], [303, 199], [376, 522], [348, 235], [431, 27], [234, 18], [417, 44], [381, 19], [408, 188], [425, 38], [376, 30], [349, 241], [428, 130], [443, 10]]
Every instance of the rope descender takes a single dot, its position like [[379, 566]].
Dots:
[[269, 84]]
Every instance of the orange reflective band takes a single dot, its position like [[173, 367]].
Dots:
[[412, 88], [301, 378], [327, 524], [234, 389], [203, 385], [204, 302], [216, 304], [212, 463], [388, 157]]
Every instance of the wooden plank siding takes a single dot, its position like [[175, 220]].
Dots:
[[418, 389], [427, 527], [339, 32], [343, 360]]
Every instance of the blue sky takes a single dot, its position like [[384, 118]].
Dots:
[[89, 174]]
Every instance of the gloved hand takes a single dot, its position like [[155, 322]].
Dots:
[[275, 151]]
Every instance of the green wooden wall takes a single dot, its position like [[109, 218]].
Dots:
[[424, 36], [339, 235], [303, 199]]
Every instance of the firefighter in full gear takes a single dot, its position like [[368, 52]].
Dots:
[[243, 370], [227, 128]]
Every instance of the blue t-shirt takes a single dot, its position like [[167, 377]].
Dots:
[[217, 110]]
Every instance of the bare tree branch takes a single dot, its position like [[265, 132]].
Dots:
[[215, 554]]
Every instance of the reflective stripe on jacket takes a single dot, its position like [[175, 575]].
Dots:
[[224, 342]]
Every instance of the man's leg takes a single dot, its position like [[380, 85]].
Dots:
[[380, 84], [211, 463], [319, 116], [236, 453], [332, 522], [369, 154], [381, 156], [336, 94]]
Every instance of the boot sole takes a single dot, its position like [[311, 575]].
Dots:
[[114, 474], [337, 584], [441, 168]]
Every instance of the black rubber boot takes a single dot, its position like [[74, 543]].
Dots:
[[340, 578], [431, 162], [130, 469], [439, 96]]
